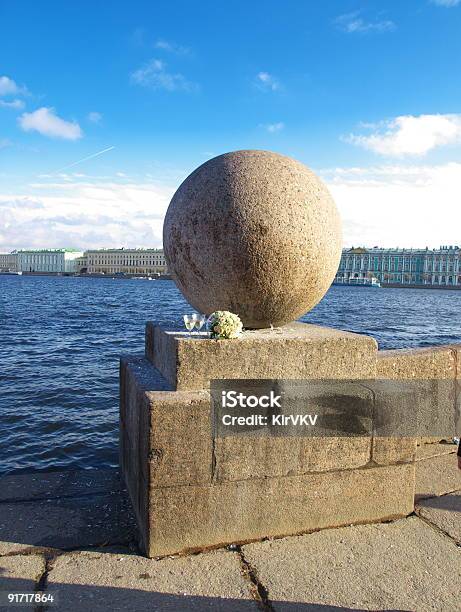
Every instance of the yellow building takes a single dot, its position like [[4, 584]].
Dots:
[[127, 261], [9, 262]]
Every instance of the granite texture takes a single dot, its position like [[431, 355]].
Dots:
[[409, 564], [20, 574], [245, 457], [444, 512], [64, 510], [187, 518], [193, 487], [118, 580], [297, 351], [426, 451], [253, 232], [433, 370], [432, 363], [406, 565], [437, 476]]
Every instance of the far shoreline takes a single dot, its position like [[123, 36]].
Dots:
[[164, 277]]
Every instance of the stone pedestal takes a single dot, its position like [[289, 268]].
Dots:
[[299, 351], [192, 489]]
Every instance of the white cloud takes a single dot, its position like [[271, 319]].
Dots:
[[446, 3], [391, 205], [8, 87], [15, 104], [387, 205], [171, 47], [267, 82], [94, 117], [46, 122], [353, 23], [411, 135], [4, 142], [274, 127], [155, 75], [85, 213]]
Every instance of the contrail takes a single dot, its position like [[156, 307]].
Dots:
[[84, 159]]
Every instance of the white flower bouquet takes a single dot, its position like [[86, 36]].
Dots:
[[223, 324]]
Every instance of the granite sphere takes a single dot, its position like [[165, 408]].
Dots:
[[255, 233]]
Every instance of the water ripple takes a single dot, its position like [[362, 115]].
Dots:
[[61, 338]]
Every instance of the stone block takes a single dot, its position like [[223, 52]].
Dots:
[[187, 518], [341, 438], [396, 421], [165, 436], [135, 377], [457, 350], [195, 487], [437, 476], [421, 363], [244, 457], [158, 454], [134, 478], [391, 450], [180, 438], [433, 370], [299, 351]]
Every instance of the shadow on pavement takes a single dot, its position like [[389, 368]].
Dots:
[[444, 502], [78, 597], [66, 510]]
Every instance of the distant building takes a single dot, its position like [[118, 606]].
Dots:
[[70, 260], [436, 267], [47, 260], [8, 262], [81, 263], [128, 261]]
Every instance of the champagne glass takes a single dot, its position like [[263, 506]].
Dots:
[[189, 322], [200, 321]]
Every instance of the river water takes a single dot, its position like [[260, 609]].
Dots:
[[61, 338]]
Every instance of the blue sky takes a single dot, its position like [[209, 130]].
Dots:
[[368, 94]]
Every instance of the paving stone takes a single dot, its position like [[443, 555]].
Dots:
[[20, 574], [445, 512], [437, 476], [66, 522], [116, 581], [405, 565]]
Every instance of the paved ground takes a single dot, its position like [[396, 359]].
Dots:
[[73, 535]]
